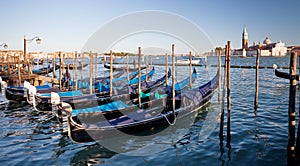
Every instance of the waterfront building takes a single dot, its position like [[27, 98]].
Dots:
[[244, 38], [268, 48]]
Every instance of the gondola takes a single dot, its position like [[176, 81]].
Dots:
[[38, 61], [43, 70], [85, 84], [149, 90], [3, 85], [104, 89], [104, 79], [86, 101], [43, 100], [283, 74], [150, 87], [73, 66], [93, 126], [122, 68], [40, 100], [20, 93]]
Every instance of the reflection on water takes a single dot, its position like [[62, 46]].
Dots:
[[257, 137], [91, 155]]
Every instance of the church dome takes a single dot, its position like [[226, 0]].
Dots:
[[267, 41]]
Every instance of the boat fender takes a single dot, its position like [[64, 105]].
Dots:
[[275, 66], [26, 84], [55, 99], [3, 86], [66, 108], [32, 93], [26, 94], [32, 90]]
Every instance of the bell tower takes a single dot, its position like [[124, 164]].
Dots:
[[244, 38]]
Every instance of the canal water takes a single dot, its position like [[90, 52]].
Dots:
[[258, 137]]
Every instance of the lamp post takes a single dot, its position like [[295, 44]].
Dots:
[[5, 46], [38, 41]]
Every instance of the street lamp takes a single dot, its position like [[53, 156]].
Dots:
[[5, 46], [37, 39]]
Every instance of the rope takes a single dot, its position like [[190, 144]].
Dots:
[[173, 123]]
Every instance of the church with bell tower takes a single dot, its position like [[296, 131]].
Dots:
[[244, 38], [267, 48]]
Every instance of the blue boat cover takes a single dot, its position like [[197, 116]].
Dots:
[[143, 78], [64, 94], [86, 84], [42, 87], [185, 82], [117, 105], [83, 84], [106, 87], [123, 78], [37, 87], [178, 87]]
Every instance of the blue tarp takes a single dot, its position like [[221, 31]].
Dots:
[[117, 105], [64, 94]]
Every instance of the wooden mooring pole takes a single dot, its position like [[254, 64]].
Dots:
[[256, 80], [228, 95], [111, 74], [173, 79], [82, 62], [127, 67], [191, 71], [139, 77], [76, 72], [54, 66], [60, 69], [220, 76], [147, 67], [91, 72], [73, 69], [223, 102], [151, 62], [291, 111], [167, 70], [19, 70], [95, 65]]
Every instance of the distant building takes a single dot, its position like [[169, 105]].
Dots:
[[244, 38], [37, 55], [11, 55], [268, 48]]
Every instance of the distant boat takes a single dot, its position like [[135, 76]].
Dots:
[[73, 66], [38, 61], [283, 74], [122, 68], [44, 70], [195, 61]]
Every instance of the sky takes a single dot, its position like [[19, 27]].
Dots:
[[69, 25]]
